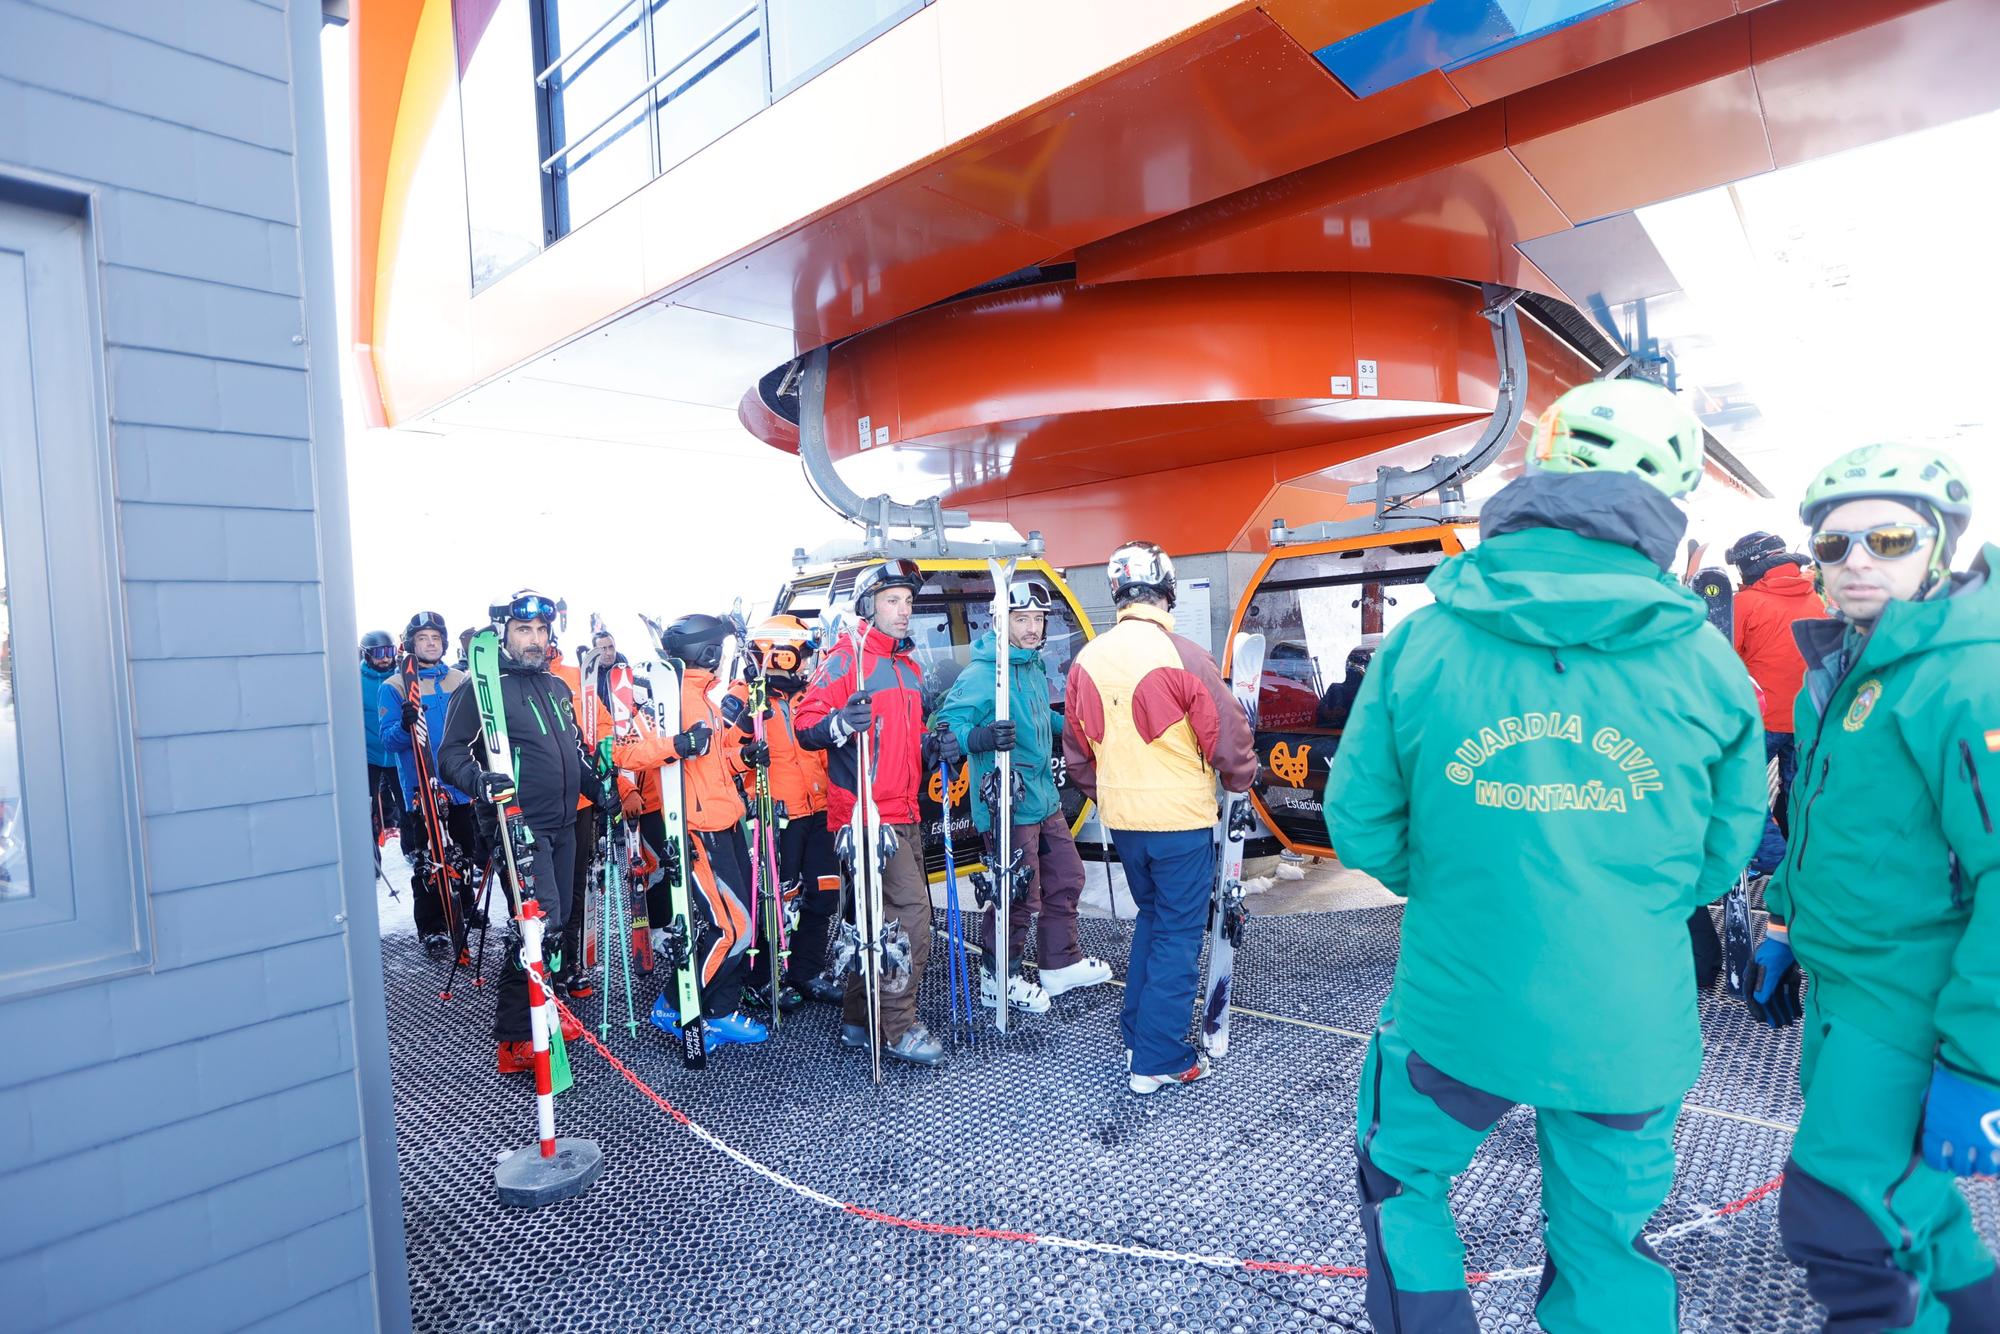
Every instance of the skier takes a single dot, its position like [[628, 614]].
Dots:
[[405, 722], [1338, 701], [1041, 829], [782, 648], [549, 769], [1151, 727], [835, 706], [1892, 890], [1775, 595], [706, 756], [385, 797], [1554, 764]]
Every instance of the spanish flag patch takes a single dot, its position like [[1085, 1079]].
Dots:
[[1993, 740]]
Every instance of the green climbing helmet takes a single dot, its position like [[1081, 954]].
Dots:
[[1630, 426], [1924, 477]]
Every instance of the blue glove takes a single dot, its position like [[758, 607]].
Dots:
[[1775, 985], [1962, 1124]]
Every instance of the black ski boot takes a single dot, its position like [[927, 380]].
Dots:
[[437, 945], [757, 998], [822, 987]]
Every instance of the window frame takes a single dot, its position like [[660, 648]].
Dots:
[[87, 916]]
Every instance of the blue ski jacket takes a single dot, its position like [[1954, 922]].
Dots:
[[371, 725], [970, 703], [434, 688]]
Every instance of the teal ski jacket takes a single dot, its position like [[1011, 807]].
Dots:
[[970, 703], [1891, 882], [1555, 764]]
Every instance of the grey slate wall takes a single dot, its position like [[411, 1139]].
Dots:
[[208, 1144]]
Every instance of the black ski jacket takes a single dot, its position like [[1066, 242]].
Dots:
[[541, 728]]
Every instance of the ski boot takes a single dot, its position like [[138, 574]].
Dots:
[[516, 1058], [822, 987], [915, 1047], [1022, 994], [668, 1020], [1085, 972], [1144, 1084], [737, 1029], [758, 997], [437, 945]]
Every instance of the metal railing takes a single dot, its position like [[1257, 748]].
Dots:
[[570, 146]]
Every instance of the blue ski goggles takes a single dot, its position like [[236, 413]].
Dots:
[[532, 607]]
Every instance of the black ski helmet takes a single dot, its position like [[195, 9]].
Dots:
[[424, 620], [374, 642], [696, 640], [1140, 567], [899, 572], [1755, 546]]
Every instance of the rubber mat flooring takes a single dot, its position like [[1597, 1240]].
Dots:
[[1033, 1132]]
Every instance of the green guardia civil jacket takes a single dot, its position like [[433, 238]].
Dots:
[[1891, 881], [1555, 763]]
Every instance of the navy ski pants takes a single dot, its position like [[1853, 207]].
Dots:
[[1171, 875]]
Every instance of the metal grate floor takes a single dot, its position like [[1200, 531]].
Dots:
[[1033, 1132]]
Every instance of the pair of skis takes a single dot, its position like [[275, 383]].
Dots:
[[683, 937], [443, 867], [1226, 912], [1714, 588], [1006, 881], [870, 944], [766, 818]]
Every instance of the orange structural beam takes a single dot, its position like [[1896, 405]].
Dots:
[[381, 33]]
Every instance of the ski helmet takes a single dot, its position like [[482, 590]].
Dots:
[[523, 605], [1630, 426], [1140, 567], [1029, 595], [1753, 547], [782, 645], [696, 640], [897, 573], [424, 620], [377, 642], [1925, 478]]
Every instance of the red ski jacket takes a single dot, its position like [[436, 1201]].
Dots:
[[1764, 613], [895, 683]]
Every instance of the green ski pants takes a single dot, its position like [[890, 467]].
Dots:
[[1886, 1241], [1603, 1175]]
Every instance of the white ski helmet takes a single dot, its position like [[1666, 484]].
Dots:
[[1140, 567]]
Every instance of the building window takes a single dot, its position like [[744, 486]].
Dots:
[[498, 122], [72, 900], [629, 88]]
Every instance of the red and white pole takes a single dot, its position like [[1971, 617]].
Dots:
[[541, 1013]]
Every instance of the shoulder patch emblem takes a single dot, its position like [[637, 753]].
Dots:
[[1864, 704], [1993, 741]]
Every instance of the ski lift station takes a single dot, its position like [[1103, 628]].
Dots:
[[317, 312]]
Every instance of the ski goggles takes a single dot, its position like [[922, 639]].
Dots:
[[1885, 541], [426, 620], [383, 653], [1029, 595], [532, 607]]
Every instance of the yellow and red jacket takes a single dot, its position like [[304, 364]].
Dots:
[[1151, 725]]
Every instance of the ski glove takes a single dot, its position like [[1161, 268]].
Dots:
[[496, 788], [854, 715], [1961, 1124], [606, 796], [990, 736], [411, 715], [1772, 991], [940, 747], [756, 754], [692, 742]]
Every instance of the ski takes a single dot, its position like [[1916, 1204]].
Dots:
[[764, 821], [866, 855], [1715, 590], [1003, 808], [437, 867], [1225, 909], [517, 852], [611, 862], [683, 938], [958, 970]]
